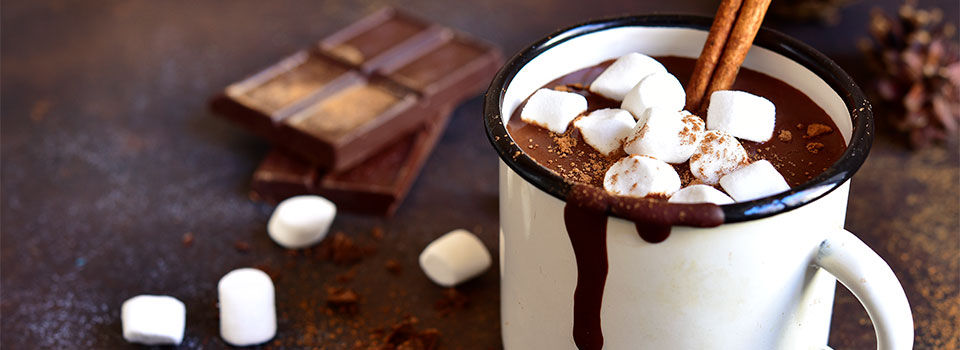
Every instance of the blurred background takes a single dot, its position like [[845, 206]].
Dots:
[[110, 157]]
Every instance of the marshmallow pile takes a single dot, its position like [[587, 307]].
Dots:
[[654, 131]]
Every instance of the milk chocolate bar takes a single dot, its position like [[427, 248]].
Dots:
[[360, 89], [375, 186]]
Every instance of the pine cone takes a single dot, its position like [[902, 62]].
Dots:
[[825, 11], [918, 68]]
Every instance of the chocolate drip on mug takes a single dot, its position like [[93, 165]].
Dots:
[[585, 218], [586, 222]]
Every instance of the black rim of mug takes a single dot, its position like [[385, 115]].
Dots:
[[548, 181]]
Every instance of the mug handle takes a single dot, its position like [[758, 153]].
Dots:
[[872, 281]]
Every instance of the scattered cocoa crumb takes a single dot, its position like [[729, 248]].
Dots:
[[563, 88], [393, 266], [404, 335], [565, 144], [346, 277], [241, 246], [817, 129], [377, 233], [341, 249], [800, 126], [273, 273], [814, 147], [40, 109], [452, 301], [343, 300], [785, 135], [187, 239], [577, 86]]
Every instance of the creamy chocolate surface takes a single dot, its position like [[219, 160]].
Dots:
[[805, 140]]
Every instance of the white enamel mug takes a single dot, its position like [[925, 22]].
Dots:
[[764, 279]]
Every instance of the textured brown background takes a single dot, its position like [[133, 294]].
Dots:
[[110, 156]]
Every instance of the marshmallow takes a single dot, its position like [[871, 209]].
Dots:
[[718, 155], [624, 74], [639, 176], [455, 257], [741, 114], [659, 89], [153, 320], [700, 194], [667, 135], [553, 110], [605, 129], [247, 312], [757, 180], [301, 221]]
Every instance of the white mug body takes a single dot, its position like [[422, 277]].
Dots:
[[744, 285]]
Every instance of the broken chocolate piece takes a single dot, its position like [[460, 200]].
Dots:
[[360, 89], [375, 186]]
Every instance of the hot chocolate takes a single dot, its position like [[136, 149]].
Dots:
[[805, 140]]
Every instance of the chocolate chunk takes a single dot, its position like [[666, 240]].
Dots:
[[360, 89], [785, 135], [814, 147], [343, 300], [393, 266], [817, 129], [241, 246]]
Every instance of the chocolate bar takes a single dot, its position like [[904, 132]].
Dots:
[[360, 89], [375, 186]]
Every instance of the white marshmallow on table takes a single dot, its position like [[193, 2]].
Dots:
[[741, 114], [301, 221], [624, 74], [757, 180], [247, 312], [718, 154], [605, 129], [667, 135], [153, 320], [639, 176], [553, 110], [455, 257], [660, 89], [700, 194]]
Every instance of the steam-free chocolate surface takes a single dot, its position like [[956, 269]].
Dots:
[[570, 156], [110, 156]]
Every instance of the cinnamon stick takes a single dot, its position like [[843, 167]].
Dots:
[[737, 45], [710, 55]]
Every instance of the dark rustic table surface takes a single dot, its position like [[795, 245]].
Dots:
[[110, 157]]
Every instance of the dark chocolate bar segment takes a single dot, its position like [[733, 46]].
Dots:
[[280, 176], [444, 65], [376, 186], [335, 114], [292, 82], [387, 37]]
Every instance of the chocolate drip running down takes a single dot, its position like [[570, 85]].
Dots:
[[585, 216]]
